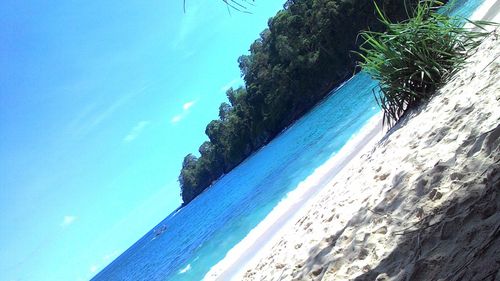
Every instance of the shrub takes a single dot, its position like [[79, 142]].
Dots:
[[413, 58]]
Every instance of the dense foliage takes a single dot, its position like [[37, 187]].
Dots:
[[305, 52], [411, 59]]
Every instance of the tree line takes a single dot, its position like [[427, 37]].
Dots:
[[305, 52]]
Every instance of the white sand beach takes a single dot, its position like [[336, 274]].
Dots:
[[418, 203]]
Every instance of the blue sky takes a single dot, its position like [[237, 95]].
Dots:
[[99, 103]]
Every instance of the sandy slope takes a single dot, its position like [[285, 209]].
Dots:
[[423, 205]]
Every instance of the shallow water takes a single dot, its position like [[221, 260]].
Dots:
[[199, 235]]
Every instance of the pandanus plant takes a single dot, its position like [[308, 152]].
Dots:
[[413, 58]]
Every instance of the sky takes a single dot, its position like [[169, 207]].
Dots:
[[99, 103]]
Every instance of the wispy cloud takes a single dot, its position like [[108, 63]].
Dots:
[[105, 260], [92, 115], [185, 111], [230, 84], [176, 118], [136, 131], [108, 257], [68, 220], [188, 105], [190, 21]]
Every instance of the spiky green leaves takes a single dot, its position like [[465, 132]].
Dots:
[[413, 58]]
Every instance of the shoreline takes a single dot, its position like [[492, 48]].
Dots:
[[260, 239], [304, 225]]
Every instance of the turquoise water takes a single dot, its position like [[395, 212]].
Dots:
[[198, 236], [463, 8]]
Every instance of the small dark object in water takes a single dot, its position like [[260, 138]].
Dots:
[[160, 231]]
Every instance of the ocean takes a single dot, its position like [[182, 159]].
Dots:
[[191, 240]]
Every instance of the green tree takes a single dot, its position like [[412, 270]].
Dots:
[[304, 53]]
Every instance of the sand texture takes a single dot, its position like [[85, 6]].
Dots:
[[422, 205]]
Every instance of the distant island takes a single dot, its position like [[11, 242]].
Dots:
[[304, 53]]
